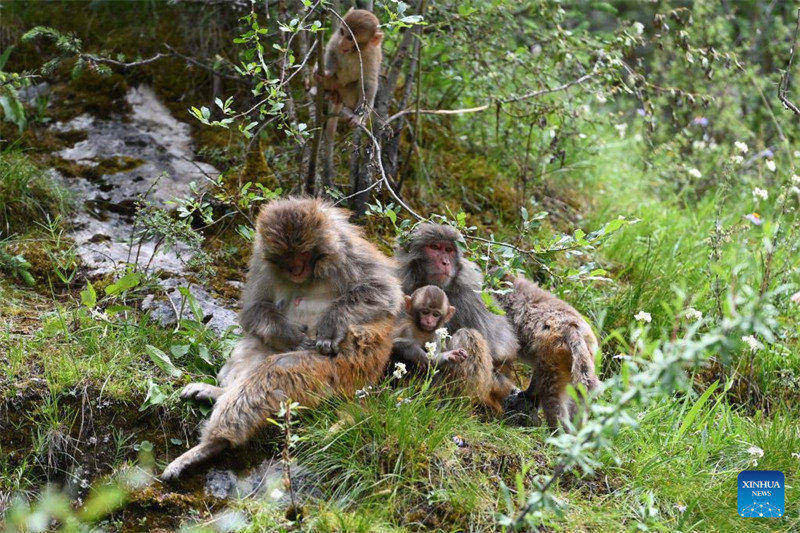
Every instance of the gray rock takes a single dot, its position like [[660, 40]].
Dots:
[[263, 482], [104, 227]]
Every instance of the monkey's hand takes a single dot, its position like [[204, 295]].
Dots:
[[331, 330], [454, 356]]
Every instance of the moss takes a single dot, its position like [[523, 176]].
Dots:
[[102, 96], [112, 165]]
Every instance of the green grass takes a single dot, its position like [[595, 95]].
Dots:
[[27, 194]]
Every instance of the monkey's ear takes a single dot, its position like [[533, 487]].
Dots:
[[449, 314], [408, 301], [377, 39]]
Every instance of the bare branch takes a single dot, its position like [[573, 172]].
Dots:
[[526, 96], [783, 86]]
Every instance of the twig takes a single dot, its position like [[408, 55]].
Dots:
[[122, 64], [486, 106], [783, 86]]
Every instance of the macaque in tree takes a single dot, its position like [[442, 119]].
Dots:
[[318, 313], [465, 366], [352, 62], [558, 344]]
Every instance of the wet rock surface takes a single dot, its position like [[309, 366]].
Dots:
[[160, 166], [264, 482]]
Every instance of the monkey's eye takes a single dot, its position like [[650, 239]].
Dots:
[[435, 314]]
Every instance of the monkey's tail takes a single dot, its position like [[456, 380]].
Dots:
[[582, 359]]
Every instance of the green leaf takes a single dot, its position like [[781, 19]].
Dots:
[[126, 282], [89, 296], [163, 361]]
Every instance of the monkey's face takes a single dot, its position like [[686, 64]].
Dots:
[[440, 259], [429, 308], [346, 43], [429, 319]]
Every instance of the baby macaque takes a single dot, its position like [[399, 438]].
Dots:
[[427, 310], [466, 363], [558, 344]]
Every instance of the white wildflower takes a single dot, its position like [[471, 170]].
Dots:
[[399, 370], [795, 298], [680, 507], [601, 98], [276, 494], [760, 193], [693, 314], [771, 165], [699, 145], [752, 342], [795, 178], [621, 129], [742, 147], [643, 316], [737, 159], [695, 173], [796, 455], [797, 153], [582, 135], [755, 452], [638, 27]]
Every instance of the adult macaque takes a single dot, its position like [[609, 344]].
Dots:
[[465, 366], [430, 256], [352, 63], [317, 312], [557, 342]]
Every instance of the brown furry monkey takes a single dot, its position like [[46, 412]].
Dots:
[[466, 366], [430, 256], [352, 61], [317, 313], [557, 342]]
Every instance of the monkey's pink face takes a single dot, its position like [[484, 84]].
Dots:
[[441, 260], [298, 267], [428, 319]]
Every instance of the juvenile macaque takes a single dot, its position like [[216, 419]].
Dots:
[[558, 344], [430, 256], [352, 62], [317, 313], [426, 311], [465, 365]]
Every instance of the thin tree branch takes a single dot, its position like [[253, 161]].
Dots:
[[783, 86], [486, 106]]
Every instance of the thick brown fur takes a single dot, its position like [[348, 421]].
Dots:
[[314, 282], [462, 286], [465, 368], [558, 344], [350, 78]]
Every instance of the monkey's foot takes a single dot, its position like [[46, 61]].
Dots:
[[196, 455], [520, 410], [202, 392]]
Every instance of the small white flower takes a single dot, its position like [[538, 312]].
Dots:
[[361, 393], [638, 27], [699, 145], [752, 342], [760, 193], [621, 129], [755, 451], [737, 159], [399, 370], [742, 147], [797, 153], [796, 455], [276, 494], [693, 314], [582, 135], [643, 316], [795, 298], [680, 507], [771, 165], [795, 178], [601, 98], [695, 173]]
